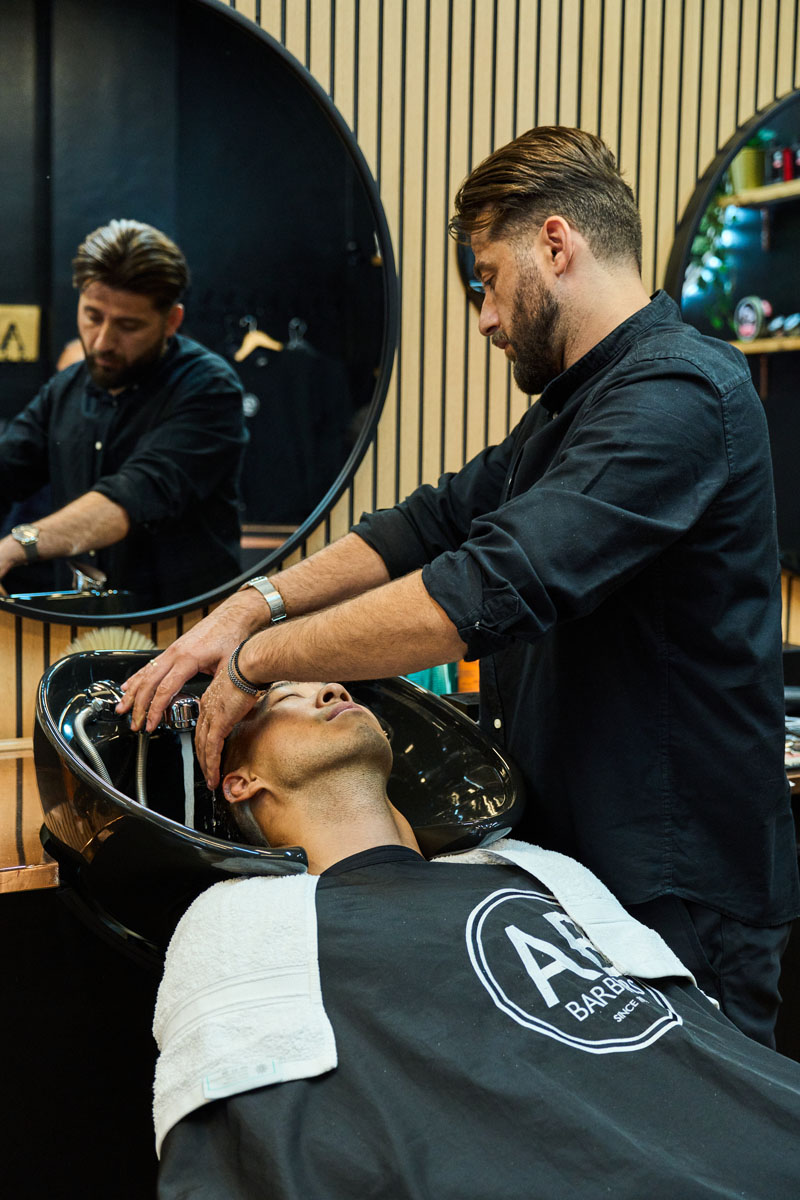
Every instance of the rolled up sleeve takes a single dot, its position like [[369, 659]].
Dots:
[[638, 470], [436, 519]]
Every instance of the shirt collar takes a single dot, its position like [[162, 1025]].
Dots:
[[557, 393]]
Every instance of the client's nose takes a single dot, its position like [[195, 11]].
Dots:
[[332, 693]]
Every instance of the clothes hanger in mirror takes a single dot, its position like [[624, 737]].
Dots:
[[254, 339]]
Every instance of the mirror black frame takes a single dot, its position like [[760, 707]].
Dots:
[[367, 431]]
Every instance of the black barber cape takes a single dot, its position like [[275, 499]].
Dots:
[[487, 1051]]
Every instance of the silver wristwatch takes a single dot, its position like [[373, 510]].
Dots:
[[273, 598], [28, 538]]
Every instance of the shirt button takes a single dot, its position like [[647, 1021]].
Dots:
[[98, 445], [498, 724]]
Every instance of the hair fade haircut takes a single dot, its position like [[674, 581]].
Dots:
[[552, 170], [132, 257]]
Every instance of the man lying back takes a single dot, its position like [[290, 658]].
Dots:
[[489, 1024]]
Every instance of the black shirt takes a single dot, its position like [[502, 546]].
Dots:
[[486, 1050], [168, 450], [614, 564]]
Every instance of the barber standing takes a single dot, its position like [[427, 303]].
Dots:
[[613, 563], [140, 443]]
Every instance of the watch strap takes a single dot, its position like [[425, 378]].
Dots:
[[273, 598]]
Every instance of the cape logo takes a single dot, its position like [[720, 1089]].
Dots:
[[541, 970]]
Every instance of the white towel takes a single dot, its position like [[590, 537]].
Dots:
[[240, 1004], [631, 947]]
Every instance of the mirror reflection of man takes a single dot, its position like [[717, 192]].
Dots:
[[140, 441], [451, 1029], [613, 563]]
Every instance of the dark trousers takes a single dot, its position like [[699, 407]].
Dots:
[[738, 965]]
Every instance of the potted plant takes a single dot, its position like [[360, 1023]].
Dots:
[[747, 168]]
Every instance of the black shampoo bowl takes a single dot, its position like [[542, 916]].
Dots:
[[137, 867]]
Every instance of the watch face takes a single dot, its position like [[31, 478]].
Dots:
[[25, 534]]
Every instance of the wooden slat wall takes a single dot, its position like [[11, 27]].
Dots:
[[429, 88]]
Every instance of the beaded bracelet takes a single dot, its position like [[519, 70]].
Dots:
[[237, 678]]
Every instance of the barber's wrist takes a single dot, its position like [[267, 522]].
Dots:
[[248, 660], [248, 611], [238, 675], [271, 598], [11, 554]]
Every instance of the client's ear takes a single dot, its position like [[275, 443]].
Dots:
[[241, 785]]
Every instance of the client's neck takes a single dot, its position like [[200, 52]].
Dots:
[[351, 815]]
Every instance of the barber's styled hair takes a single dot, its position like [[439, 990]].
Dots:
[[552, 170], [133, 257]]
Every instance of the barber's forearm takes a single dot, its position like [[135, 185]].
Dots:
[[88, 523], [345, 568], [392, 630]]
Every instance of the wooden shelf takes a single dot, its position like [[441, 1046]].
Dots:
[[771, 193], [774, 345]]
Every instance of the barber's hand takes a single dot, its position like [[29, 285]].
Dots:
[[205, 648], [221, 707]]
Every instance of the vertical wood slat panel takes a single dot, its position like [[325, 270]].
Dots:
[[390, 94], [669, 126], [366, 62], [787, 39], [412, 266], [766, 89], [711, 16], [611, 82], [9, 658], [649, 191], [478, 363], [665, 127], [730, 61], [432, 348], [629, 126], [503, 128], [748, 51], [458, 155], [271, 18], [296, 40], [689, 109], [589, 113], [569, 63], [524, 68]]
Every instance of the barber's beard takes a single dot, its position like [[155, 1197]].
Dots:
[[121, 374], [535, 335]]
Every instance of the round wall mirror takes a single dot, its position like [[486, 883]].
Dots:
[[735, 249], [185, 115]]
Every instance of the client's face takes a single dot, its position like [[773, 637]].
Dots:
[[305, 729]]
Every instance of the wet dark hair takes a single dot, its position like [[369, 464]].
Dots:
[[132, 257], [552, 170]]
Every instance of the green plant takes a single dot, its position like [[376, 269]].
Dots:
[[710, 269], [761, 139]]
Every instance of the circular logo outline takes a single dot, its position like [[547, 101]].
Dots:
[[669, 1019]]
